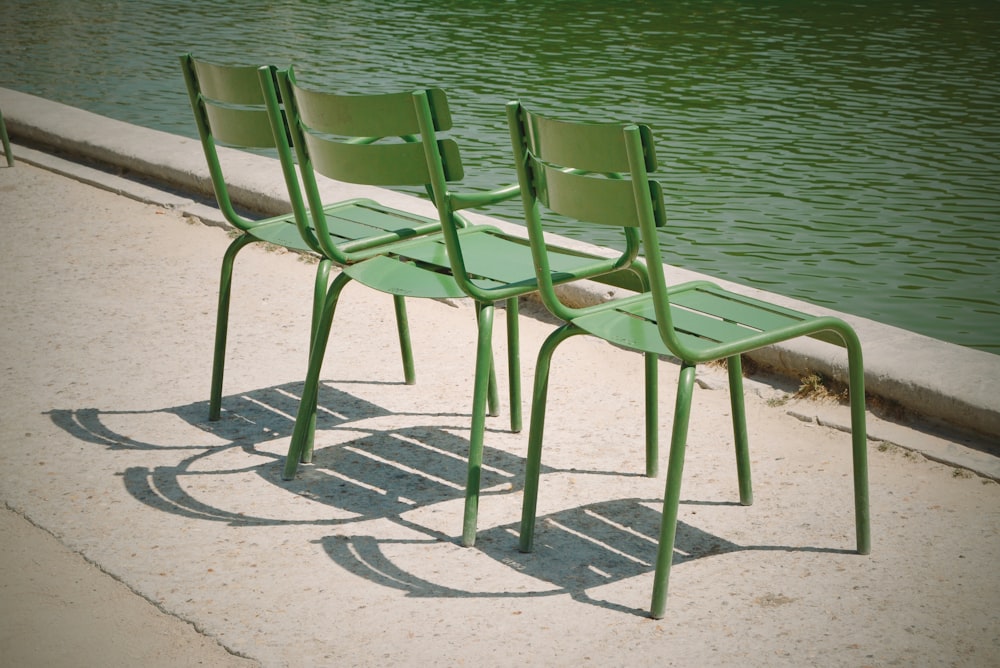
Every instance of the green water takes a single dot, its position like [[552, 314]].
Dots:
[[843, 153]]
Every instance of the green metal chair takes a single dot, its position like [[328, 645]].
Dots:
[[231, 109], [334, 135], [565, 167], [6, 142]]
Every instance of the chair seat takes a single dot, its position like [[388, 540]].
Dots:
[[280, 230], [355, 225], [395, 277], [499, 261], [370, 224], [704, 317]]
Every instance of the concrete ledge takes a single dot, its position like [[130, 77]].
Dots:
[[946, 383]]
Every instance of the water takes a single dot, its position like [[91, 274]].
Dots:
[[840, 152]]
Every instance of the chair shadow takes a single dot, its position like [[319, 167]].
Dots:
[[373, 472], [248, 418], [576, 550], [376, 472]]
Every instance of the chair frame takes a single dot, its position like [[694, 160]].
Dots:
[[349, 160], [694, 322], [436, 266], [233, 108]]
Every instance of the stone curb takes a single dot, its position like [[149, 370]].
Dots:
[[949, 385]]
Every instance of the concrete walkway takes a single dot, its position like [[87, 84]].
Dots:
[[104, 443]]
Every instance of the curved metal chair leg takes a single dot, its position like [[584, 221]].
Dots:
[[672, 491], [859, 442], [320, 287], [222, 323], [481, 389], [536, 429], [493, 393], [405, 349], [738, 407], [299, 449], [6, 142], [652, 361], [514, 364]]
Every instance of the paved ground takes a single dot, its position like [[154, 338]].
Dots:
[[165, 523]]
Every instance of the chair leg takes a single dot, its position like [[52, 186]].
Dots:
[[6, 142], [652, 361], [859, 442], [403, 328], [536, 429], [305, 419], [672, 492], [493, 393], [320, 287], [514, 363], [481, 389], [738, 407], [222, 323]]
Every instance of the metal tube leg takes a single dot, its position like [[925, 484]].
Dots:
[[305, 419], [859, 443], [514, 363], [529, 504], [484, 366], [222, 323], [672, 492], [736, 402], [493, 394], [405, 349], [319, 298], [6, 142], [652, 415]]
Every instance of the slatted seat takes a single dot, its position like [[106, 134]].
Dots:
[[705, 317]]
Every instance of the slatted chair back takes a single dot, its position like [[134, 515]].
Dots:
[[366, 139], [231, 109]]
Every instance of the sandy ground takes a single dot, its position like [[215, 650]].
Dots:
[[157, 537]]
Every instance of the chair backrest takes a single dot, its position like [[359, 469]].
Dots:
[[387, 139], [593, 173], [231, 108]]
